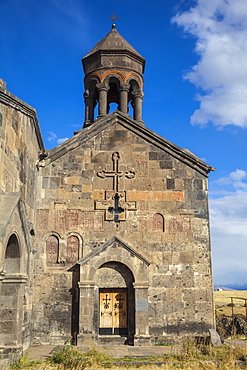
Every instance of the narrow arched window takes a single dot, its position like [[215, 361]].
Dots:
[[12, 256], [158, 222], [72, 249], [52, 247]]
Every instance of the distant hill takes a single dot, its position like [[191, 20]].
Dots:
[[229, 287]]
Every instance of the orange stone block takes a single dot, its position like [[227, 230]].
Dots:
[[177, 196], [145, 195], [61, 194], [86, 159], [166, 196], [98, 195], [157, 195], [86, 188], [73, 180]]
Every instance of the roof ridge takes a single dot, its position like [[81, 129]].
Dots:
[[144, 132]]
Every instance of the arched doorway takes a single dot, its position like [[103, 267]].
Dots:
[[116, 314], [12, 256], [12, 293]]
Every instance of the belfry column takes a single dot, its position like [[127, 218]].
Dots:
[[89, 109], [138, 97], [102, 89], [123, 101]]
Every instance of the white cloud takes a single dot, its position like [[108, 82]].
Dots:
[[235, 180], [60, 141], [220, 29], [52, 136], [238, 175], [229, 238], [228, 220]]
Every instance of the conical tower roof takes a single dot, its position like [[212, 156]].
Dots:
[[115, 42], [113, 51]]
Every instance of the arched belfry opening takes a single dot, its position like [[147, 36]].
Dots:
[[113, 76], [113, 92]]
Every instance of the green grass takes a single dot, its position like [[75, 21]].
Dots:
[[162, 344], [24, 363]]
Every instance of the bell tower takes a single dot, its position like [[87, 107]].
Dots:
[[113, 74]]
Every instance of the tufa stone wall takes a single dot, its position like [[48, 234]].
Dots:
[[20, 144], [165, 219]]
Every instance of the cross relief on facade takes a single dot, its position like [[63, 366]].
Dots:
[[115, 204]]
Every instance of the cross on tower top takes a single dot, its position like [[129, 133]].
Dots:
[[113, 18]]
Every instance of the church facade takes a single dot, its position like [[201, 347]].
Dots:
[[106, 236]]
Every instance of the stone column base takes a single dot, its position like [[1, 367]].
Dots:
[[85, 339], [113, 340], [9, 354], [142, 340]]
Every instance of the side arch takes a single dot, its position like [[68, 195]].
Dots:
[[16, 242], [12, 257], [12, 292]]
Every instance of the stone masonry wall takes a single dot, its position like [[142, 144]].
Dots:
[[20, 144], [169, 227]]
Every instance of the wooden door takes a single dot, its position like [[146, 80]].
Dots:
[[113, 312]]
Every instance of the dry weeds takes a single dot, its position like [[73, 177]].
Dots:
[[223, 298], [193, 357]]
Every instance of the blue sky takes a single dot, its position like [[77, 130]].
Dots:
[[195, 87]]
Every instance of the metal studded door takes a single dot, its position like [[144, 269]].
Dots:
[[113, 312]]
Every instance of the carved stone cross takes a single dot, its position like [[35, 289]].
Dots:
[[115, 204], [115, 174]]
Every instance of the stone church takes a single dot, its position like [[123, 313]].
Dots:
[[105, 237]]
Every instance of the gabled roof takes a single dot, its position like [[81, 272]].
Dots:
[[113, 241], [113, 41], [123, 119], [9, 204]]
